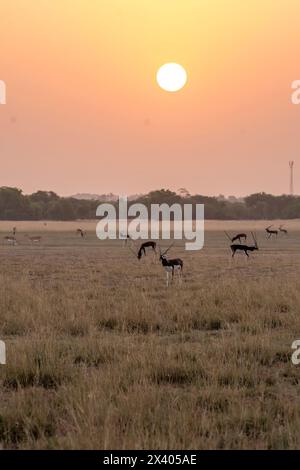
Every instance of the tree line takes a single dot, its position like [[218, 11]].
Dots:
[[46, 205]]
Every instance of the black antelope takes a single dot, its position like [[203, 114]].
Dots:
[[171, 265], [238, 237], [245, 248], [283, 230], [271, 232], [11, 240]]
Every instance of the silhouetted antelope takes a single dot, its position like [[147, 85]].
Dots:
[[142, 249], [283, 230], [80, 232], [238, 237], [245, 248], [271, 232], [170, 265]]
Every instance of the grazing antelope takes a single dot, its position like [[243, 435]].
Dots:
[[11, 240], [80, 232], [245, 248], [283, 230], [271, 232], [142, 249], [170, 265], [34, 239], [238, 237]]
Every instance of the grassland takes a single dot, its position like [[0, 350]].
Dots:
[[101, 355]]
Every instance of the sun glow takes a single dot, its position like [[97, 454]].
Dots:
[[171, 77]]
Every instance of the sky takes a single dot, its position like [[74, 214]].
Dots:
[[84, 112]]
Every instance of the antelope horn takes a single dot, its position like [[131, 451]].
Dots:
[[254, 238], [227, 235], [167, 249]]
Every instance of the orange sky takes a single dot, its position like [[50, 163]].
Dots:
[[84, 112]]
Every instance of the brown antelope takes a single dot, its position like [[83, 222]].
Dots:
[[142, 250], [245, 248], [283, 230], [34, 239], [80, 232], [11, 240], [170, 265], [143, 247], [238, 237], [271, 232]]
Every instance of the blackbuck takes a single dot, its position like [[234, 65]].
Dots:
[[271, 232], [142, 250], [170, 265], [144, 246], [80, 232], [11, 240], [245, 248], [238, 237], [283, 230]]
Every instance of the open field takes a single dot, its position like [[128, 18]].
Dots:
[[100, 354]]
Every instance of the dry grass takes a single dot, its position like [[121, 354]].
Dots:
[[101, 355]]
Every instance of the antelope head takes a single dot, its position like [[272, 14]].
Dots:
[[162, 255]]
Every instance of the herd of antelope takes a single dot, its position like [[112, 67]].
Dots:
[[270, 233], [237, 244], [176, 264], [11, 239], [236, 247]]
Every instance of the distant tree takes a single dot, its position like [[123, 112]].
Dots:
[[44, 196], [14, 205], [183, 192]]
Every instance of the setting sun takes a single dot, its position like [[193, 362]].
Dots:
[[171, 77]]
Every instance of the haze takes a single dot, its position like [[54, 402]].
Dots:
[[84, 112]]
